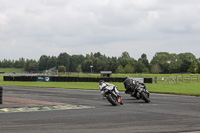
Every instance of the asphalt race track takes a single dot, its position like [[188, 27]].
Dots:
[[165, 113]]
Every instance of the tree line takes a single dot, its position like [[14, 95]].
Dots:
[[162, 62]]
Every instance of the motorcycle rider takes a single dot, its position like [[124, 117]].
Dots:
[[136, 89], [130, 84], [102, 87]]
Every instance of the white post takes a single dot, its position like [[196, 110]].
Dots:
[[91, 68]]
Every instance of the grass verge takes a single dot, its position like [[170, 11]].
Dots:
[[12, 70], [180, 88]]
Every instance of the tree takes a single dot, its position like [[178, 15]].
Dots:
[[125, 55], [128, 68], [105, 62], [113, 64], [193, 67], [31, 66], [120, 69], [43, 61], [174, 64], [75, 60], [16, 64], [145, 63], [102, 63], [198, 63], [7, 63], [19, 63], [78, 69], [52, 62], [97, 67], [140, 67], [61, 69], [63, 60], [156, 69], [162, 59], [97, 55], [86, 65], [126, 59], [186, 60]]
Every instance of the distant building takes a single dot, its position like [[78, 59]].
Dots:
[[106, 74]]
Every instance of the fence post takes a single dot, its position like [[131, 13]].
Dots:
[[176, 79], [190, 79], [197, 78], [1, 95], [156, 79]]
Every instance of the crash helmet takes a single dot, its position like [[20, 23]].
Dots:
[[101, 82], [134, 81], [126, 77]]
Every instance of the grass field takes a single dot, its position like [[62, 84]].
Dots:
[[11, 70], [130, 75], [188, 88], [172, 88]]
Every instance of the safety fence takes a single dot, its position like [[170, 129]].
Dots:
[[67, 79], [177, 79]]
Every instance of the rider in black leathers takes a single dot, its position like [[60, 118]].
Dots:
[[136, 89], [130, 84]]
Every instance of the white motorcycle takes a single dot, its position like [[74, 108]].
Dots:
[[110, 92]]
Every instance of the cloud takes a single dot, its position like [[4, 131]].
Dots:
[[31, 28]]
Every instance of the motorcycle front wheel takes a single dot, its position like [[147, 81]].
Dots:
[[145, 97], [112, 99]]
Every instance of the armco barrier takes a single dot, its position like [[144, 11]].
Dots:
[[69, 79], [1, 95]]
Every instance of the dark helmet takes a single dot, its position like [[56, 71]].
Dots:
[[126, 77], [100, 82]]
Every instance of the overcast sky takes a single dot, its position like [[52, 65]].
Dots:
[[31, 28]]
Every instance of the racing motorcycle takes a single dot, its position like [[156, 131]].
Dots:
[[139, 91], [110, 92]]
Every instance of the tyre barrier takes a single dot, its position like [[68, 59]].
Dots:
[[68, 79], [1, 95], [148, 80]]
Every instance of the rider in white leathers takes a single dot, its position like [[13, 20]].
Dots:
[[108, 86], [104, 85]]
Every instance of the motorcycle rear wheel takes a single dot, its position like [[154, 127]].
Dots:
[[112, 99], [145, 97]]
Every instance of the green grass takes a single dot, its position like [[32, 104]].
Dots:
[[11, 70], [180, 88], [172, 88], [130, 75]]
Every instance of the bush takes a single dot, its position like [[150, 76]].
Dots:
[[61, 69]]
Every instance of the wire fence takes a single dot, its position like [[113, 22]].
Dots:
[[177, 79]]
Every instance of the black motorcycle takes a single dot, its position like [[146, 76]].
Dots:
[[138, 90]]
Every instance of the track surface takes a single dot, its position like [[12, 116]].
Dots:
[[165, 113]]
